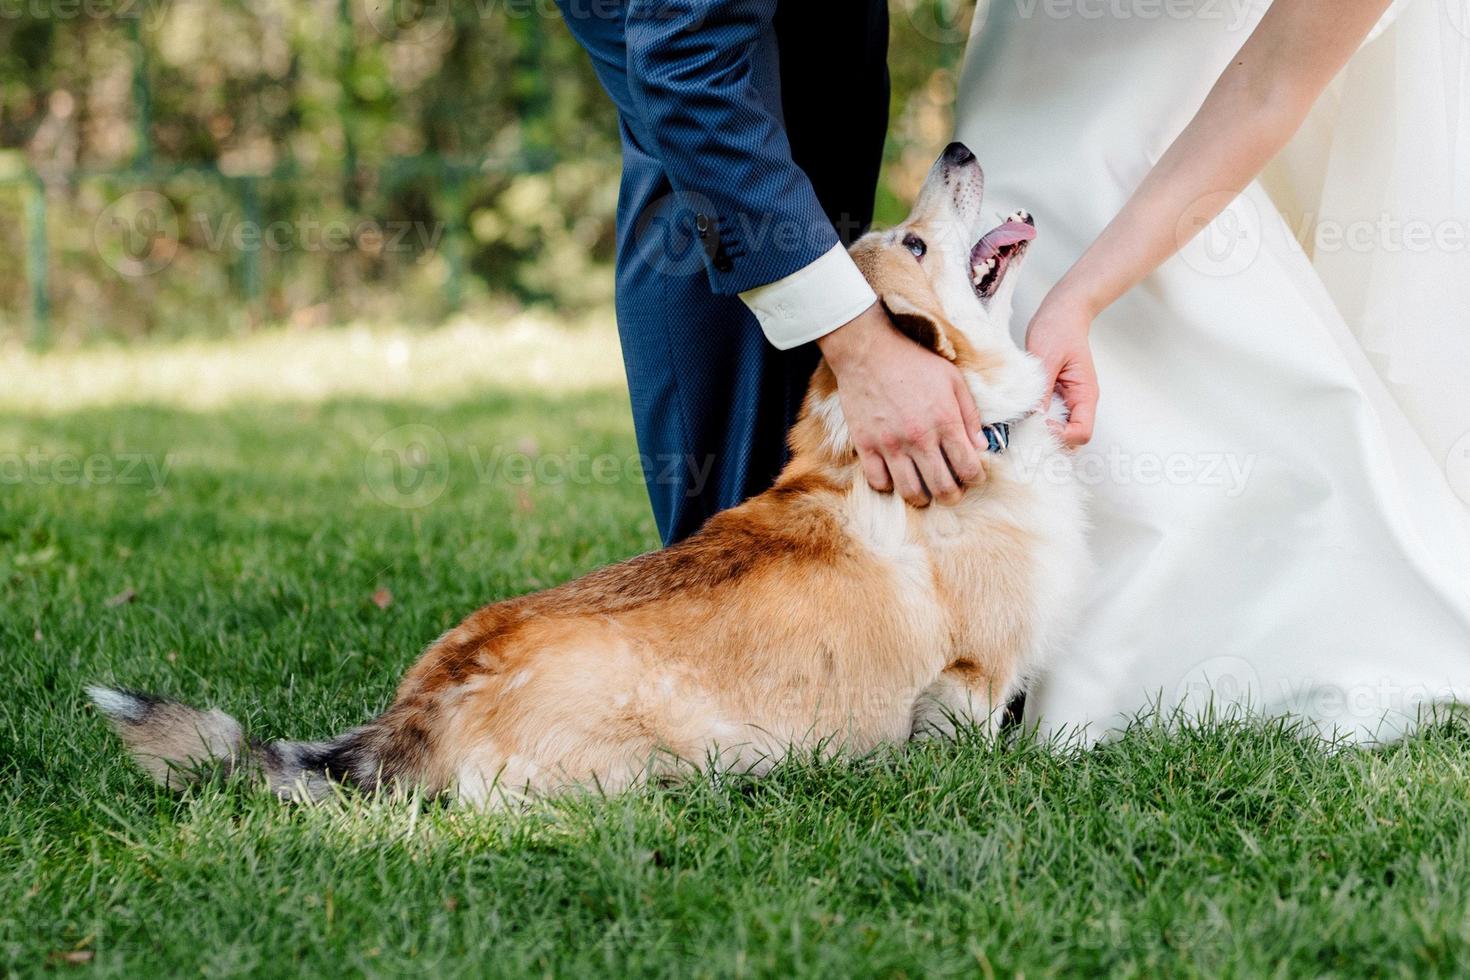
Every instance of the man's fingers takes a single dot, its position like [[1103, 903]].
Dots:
[[959, 449], [876, 471], [906, 481], [969, 413], [934, 468]]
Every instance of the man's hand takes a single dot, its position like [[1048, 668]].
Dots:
[[908, 410], [1058, 335]]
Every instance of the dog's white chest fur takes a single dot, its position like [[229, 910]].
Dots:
[[1002, 568]]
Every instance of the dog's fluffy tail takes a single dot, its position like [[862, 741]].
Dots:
[[177, 745]]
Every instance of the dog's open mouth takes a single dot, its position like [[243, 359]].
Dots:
[[997, 249]]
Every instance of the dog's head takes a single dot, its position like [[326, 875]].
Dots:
[[947, 283], [944, 279]]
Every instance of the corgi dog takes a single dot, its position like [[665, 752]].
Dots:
[[820, 616]]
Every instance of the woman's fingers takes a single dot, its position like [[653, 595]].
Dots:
[[1053, 366], [1077, 383], [1081, 410]]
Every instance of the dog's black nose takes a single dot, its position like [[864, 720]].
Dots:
[[958, 154]]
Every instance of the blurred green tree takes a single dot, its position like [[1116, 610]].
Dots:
[[209, 165]]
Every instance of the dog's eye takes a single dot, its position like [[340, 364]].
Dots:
[[916, 245]]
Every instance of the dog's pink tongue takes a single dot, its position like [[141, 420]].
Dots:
[[1007, 234]]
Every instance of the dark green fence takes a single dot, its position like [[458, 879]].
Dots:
[[54, 204], [451, 180]]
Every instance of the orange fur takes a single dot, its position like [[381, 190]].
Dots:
[[777, 626], [818, 615]]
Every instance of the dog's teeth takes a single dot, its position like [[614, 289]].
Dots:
[[978, 274]]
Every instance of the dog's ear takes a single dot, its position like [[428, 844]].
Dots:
[[905, 294], [925, 328]]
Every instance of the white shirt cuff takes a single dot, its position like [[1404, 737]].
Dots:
[[812, 301]]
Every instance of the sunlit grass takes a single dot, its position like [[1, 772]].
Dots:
[[521, 352], [275, 571]]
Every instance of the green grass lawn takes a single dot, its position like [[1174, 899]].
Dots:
[[276, 569]]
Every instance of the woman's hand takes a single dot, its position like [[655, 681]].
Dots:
[[1256, 105], [1058, 336]]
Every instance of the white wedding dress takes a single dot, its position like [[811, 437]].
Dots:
[[1282, 454]]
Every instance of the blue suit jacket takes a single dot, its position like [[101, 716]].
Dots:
[[752, 132], [708, 88]]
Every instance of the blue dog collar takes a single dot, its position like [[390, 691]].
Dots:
[[998, 435]]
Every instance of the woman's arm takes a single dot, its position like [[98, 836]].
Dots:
[[1253, 110]]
